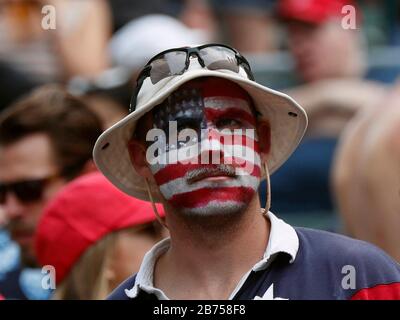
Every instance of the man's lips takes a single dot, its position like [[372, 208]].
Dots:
[[212, 177], [216, 178]]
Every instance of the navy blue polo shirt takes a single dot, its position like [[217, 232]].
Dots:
[[298, 263]]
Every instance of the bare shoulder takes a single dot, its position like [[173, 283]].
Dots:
[[366, 174]]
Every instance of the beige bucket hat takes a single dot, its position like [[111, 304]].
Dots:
[[287, 119]]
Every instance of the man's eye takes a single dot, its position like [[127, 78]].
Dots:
[[228, 123]]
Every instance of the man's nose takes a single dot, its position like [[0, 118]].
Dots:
[[212, 150], [12, 207]]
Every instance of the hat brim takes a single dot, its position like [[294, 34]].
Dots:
[[287, 119]]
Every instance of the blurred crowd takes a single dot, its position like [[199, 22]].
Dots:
[[61, 87]]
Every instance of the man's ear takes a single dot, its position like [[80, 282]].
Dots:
[[264, 138], [137, 153]]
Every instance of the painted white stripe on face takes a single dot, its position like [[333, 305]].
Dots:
[[225, 207], [210, 140], [245, 154], [180, 185]]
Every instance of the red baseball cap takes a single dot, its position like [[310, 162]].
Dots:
[[311, 11], [82, 213]]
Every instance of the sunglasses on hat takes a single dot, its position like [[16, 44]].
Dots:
[[176, 61], [26, 191]]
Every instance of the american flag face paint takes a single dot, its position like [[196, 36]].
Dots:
[[215, 168]]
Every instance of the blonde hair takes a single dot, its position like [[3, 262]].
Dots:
[[87, 279]]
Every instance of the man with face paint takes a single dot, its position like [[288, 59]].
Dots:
[[222, 175], [200, 137]]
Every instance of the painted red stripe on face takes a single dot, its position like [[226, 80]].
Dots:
[[178, 170], [234, 113], [201, 197], [217, 87], [380, 292]]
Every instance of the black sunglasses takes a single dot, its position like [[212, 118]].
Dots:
[[26, 191], [176, 61]]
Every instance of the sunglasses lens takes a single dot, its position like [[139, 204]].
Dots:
[[29, 191], [170, 64], [217, 57]]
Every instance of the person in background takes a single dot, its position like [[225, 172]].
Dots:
[[331, 63], [247, 25], [75, 46], [366, 174], [102, 233], [321, 47], [46, 140]]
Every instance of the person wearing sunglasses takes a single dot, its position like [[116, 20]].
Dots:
[[46, 140], [200, 136]]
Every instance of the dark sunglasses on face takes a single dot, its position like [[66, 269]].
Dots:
[[176, 61], [26, 191]]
